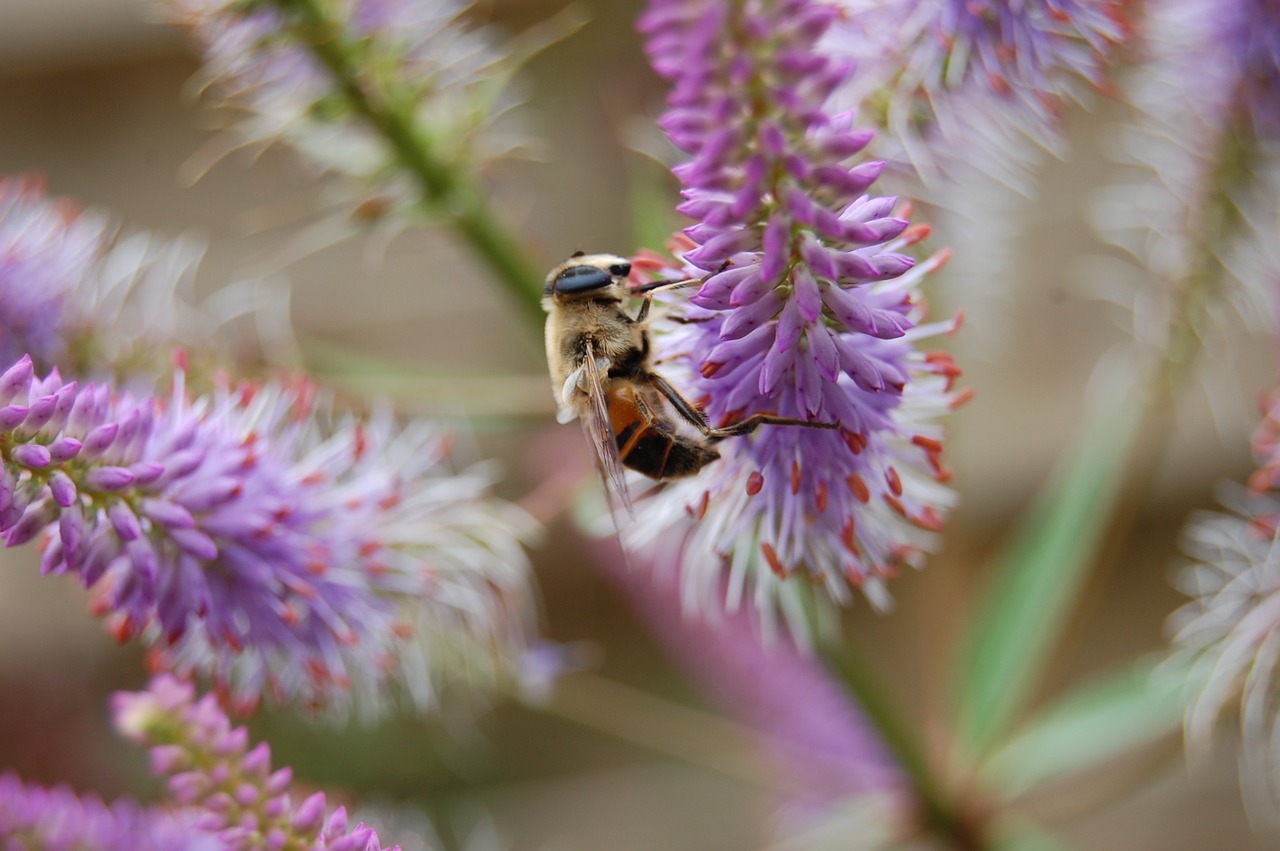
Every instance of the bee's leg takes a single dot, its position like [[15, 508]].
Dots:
[[644, 311], [747, 425], [751, 423], [652, 288], [683, 406], [675, 283], [574, 383]]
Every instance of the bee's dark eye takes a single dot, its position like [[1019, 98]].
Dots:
[[620, 269], [581, 279]]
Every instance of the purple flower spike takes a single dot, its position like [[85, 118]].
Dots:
[[227, 786], [807, 310], [249, 543]]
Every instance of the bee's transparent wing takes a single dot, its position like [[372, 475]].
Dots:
[[599, 431]]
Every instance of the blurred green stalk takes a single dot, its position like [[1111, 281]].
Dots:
[[445, 188]]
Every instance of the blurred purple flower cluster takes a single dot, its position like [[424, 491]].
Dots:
[[954, 80], [223, 794], [36, 818], [75, 292], [1247, 32], [231, 789], [808, 308], [1229, 633], [248, 541], [1195, 199]]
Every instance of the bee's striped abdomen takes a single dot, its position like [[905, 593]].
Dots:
[[650, 446]]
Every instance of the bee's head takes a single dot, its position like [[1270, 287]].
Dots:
[[584, 274]]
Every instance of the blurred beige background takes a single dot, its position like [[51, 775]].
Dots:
[[92, 97]]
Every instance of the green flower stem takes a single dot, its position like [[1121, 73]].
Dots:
[[1220, 222], [446, 189], [941, 814]]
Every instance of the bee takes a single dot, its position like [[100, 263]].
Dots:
[[599, 357]]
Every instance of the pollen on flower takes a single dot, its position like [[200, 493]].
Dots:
[[891, 569], [772, 558], [894, 482], [855, 574], [963, 397], [848, 536], [700, 511], [360, 443], [915, 234], [121, 628], [930, 519], [896, 504], [858, 487]]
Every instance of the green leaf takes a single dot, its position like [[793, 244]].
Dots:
[[1020, 835], [1041, 569], [1112, 714]]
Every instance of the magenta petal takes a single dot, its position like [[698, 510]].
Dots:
[[15, 378], [790, 327], [64, 449], [108, 478], [738, 348], [777, 367], [751, 288], [807, 296], [848, 309], [746, 319], [310, 814], [777, 236], [823, 349], [124, 520], [11, 416], [99, 439], [168, 513], [33, 456], [809, 385], [195, 542], [34, 519], [62, 489]]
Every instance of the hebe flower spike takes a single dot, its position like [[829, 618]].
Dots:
[[808, 309], [248, 542]]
